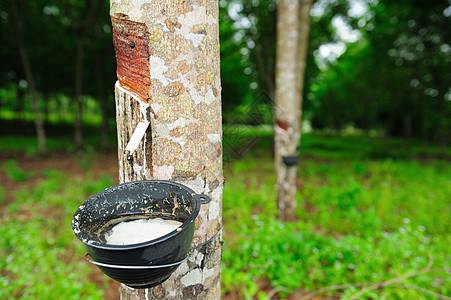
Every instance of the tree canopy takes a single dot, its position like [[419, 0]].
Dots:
[[392, 76]]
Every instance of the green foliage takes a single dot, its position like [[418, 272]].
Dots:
[[58, 109], [392, 78], [2, 195], [294, 255], [39, 255], [61, 20], [60, 142], [360, 146], [360, 220], [27, 145], [15, 172], [91, 187]]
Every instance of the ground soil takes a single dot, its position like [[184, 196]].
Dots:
[[105, 162]]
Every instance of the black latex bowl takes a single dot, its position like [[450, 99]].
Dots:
[[145, 264], [290, 160]]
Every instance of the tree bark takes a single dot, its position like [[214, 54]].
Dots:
[[78, 130], [82, 23], [39, 124], [443, 113], [167, 56], [20, 109], [293, 26]]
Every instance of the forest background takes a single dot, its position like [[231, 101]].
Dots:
[[374, 168]]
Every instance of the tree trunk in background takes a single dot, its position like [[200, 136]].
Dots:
[[443, 113], [18, 28], [406, 113], [46, 111], [442, 128], [293, 26], [167, 55], [83, 18], [78, 131], [20, 111], [58, 108]]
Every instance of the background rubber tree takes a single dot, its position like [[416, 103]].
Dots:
[[293, 26], [17, 26], [167, 56], [83, 15]]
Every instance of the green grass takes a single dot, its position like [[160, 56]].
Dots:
[[366, 195], [367, 214], [90, 119], [58, 110], [29, 145], [2, 195], [364, 217], [15, 172], [39, 255], [365, 147]]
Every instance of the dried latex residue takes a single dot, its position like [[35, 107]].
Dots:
[[138, 231]]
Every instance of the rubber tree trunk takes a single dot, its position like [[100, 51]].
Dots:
[[293, 27], [78, 129], [39, 123], [167, 56]]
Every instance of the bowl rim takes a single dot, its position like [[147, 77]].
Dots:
[[92, 243]]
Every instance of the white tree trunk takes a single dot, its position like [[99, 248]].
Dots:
[[168, 74], [293, 26]]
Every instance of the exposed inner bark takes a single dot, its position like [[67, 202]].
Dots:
[[131, 43]]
